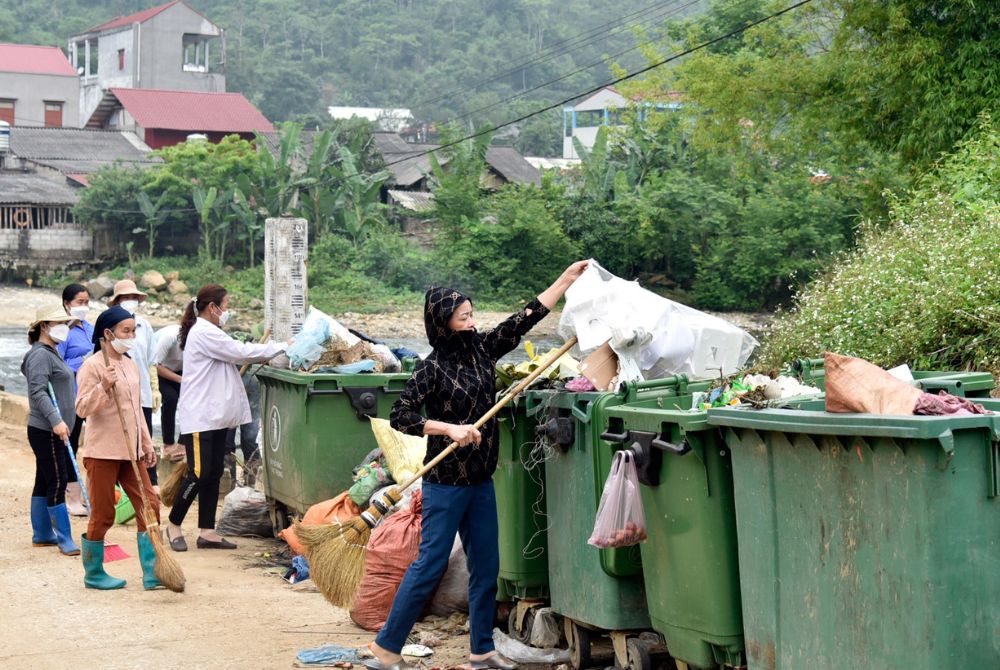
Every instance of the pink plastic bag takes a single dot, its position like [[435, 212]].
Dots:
[[620, 520]]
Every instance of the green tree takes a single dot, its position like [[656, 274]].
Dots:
[[156, 215], [456, 183]]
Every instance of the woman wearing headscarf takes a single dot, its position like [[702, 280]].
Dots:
[[49, 428], [454, 386], [212, 401], [76, 347], [107, 449]]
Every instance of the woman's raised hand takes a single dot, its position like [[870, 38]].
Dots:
[[573, 272]]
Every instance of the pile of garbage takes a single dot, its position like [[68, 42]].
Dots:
[[326, 345], [752, 389], [566, 368]]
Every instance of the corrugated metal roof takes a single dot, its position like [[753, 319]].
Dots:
[[32, 59], [192, 111], [409, 164], [138, 17], [31, 188], [415, 201], [511, 165], [78, 150]]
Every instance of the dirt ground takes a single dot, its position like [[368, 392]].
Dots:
[[237, 612]]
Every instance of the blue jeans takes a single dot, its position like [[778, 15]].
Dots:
[[471, 511]]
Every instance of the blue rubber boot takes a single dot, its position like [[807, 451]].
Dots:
[[94, 576], [41, 525], [147, 558], [64, 533]]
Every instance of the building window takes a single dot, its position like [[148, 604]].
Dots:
[[53, 114], [121, 60], [590, 118], [195, 53], [7, 111]]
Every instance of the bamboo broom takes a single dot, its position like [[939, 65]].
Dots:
[[337, 552], [166, 569]]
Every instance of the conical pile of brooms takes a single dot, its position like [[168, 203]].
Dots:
[[166, 568], [337, 552]]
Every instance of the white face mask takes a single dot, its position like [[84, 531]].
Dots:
[[79, 312], [123, 346], [130, 305], [223, 317], [59, 332]]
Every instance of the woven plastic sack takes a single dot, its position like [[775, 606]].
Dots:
[[404, 454], [124, 511], [854, 385], [620, 520], [336, 510], [394, 544]]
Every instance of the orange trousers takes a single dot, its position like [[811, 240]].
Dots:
[[102, 475]]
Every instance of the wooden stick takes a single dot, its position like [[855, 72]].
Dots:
[[263, 338]]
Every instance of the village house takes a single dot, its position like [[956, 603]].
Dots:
[[603, 109], [42, 171], [170, 47], [38, 87]]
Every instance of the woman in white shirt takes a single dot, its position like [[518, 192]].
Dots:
[[212, 401]]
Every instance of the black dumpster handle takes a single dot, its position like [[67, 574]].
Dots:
[[311, 391], [678, 449], [608, 436]]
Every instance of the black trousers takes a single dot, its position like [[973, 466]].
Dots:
[[206, 457], [51, 466], [147, 413], [171, 392], [74, 440]]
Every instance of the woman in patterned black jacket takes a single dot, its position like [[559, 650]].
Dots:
[[455, 385]]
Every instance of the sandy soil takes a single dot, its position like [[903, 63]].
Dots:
[[236, 612]]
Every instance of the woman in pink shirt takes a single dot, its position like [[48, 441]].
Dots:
[[212, 401]]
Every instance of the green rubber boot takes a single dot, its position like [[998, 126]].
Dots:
[[147, 558], [93, 564]]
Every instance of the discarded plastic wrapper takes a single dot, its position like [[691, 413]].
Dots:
[[319, 333], [653, 337], [522, 653]]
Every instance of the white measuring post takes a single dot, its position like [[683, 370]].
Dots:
[[286, 289]]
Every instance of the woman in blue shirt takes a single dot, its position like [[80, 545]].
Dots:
[[76, 302]]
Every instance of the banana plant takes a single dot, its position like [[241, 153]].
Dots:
[[205, 204], [155, 216]]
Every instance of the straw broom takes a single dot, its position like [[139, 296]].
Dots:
[[166, 568], [337, 552]]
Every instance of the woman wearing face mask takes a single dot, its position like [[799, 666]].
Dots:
[[49, 428], [453, 387], [106, 450], [128, 296], [76, 302], [212, 401]]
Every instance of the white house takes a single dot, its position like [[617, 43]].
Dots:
[[604, 108]]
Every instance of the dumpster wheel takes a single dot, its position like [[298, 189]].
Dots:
[[280, 519], [578, 638], [638, 655], [523, 633]]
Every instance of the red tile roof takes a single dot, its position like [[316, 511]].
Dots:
[[138, 17], [192, 111], [31, 59]]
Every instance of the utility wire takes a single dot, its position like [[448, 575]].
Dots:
[[555, 105]]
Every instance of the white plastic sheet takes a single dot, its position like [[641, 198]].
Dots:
[[653, 337]]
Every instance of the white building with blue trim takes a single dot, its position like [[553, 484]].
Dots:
[[604, 108]]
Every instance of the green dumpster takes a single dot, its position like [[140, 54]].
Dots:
[[867, 541], [963, 384], [315, 431], [591, 588], [690, 561], [520, 490]]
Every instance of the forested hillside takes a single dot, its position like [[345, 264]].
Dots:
[[294, 57]]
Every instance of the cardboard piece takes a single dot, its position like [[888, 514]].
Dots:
[[601, 368]]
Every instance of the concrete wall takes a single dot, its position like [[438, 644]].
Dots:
[[30, 91], [46, 246], [162, 52], [108, 75]]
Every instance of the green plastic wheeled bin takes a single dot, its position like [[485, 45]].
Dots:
[[691, 560], [593, 589], [963, 384], [520, 490], [867, 541], [315, 431]]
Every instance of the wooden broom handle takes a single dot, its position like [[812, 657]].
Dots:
[[135, 468], [524, 383], [263, 338]]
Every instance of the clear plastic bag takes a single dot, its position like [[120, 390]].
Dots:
[[620, 520]]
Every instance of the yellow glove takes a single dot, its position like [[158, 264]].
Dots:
[[154, 383]]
